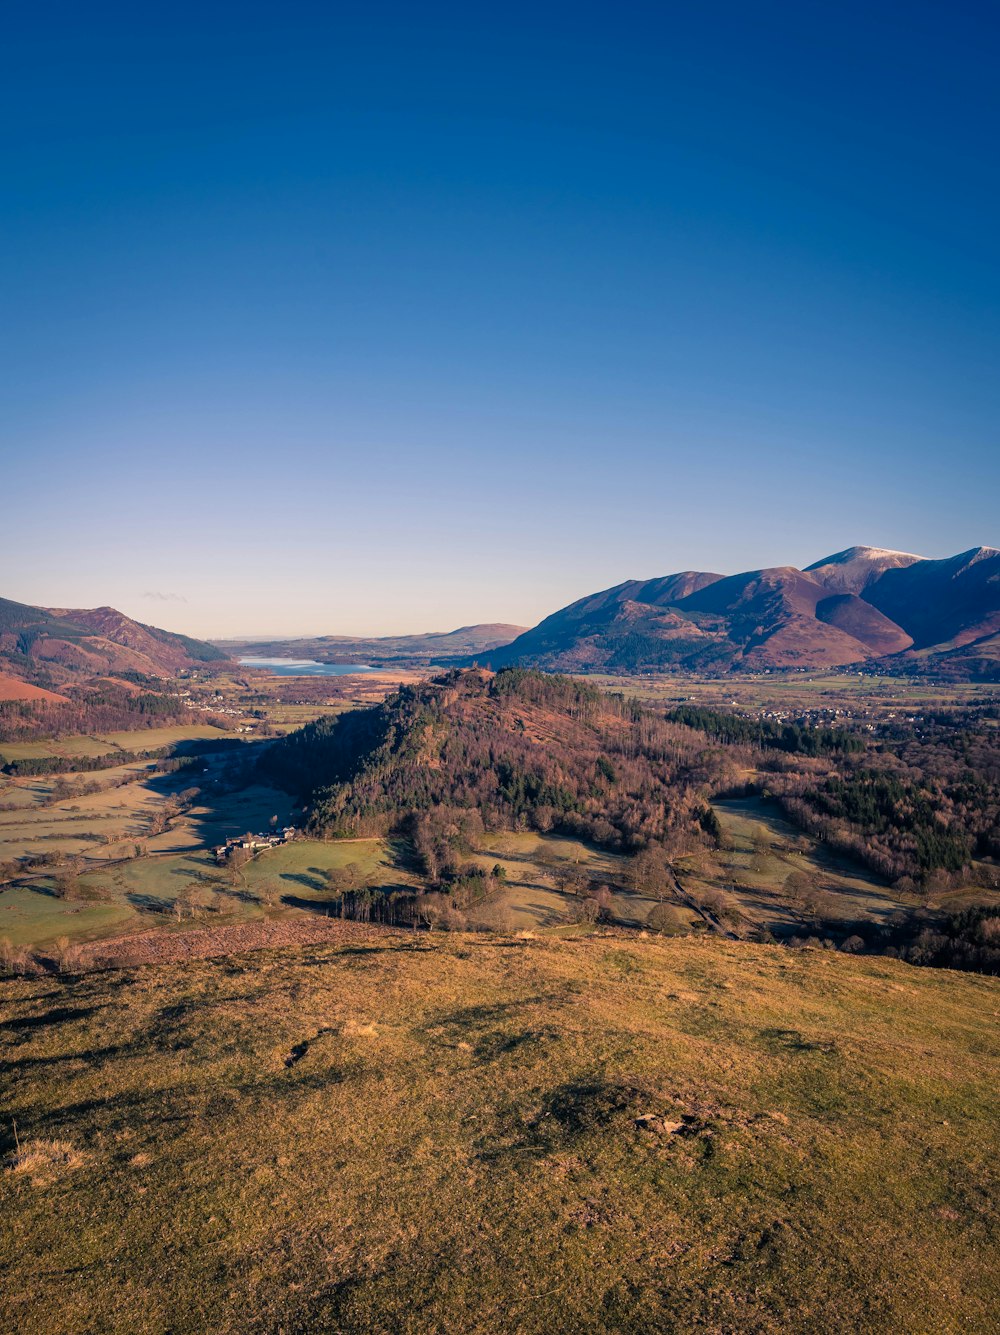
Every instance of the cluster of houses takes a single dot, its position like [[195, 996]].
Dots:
[[212, 707], [254, 843]]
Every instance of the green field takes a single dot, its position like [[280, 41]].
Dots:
[[140, 894], [288, 717], [480, 1134], [151, 739], [100, 744], [854, 692], [35, 917], [96, 824], [66, 748], [78, 825], [761, 850], [530, 896]]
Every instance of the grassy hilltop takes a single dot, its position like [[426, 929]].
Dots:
[[399, 1132]]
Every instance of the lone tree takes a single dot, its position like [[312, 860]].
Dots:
[[269, 893], [649, 873], [237, 860]]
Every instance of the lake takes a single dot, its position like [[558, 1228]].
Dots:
[[304, 667]]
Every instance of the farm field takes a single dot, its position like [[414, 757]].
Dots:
[[34, 917], [127, 894], [761, 851], [139, 739], [854, 692], [80, 825], [286, 718], [151, 739], [95, 825], [141, 893], [531, 898], [66, 748], [485, 1134]]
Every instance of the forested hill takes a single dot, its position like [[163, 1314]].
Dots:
[[519, 749]]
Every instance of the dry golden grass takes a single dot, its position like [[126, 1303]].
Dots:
[[43, 1160], [464, 1133]]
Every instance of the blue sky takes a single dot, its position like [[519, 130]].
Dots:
[[380, 318]]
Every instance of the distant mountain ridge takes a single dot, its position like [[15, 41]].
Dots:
[[68, 644], [864, 604], [440, 647]]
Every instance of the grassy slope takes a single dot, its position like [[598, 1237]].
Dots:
[[30, 915], [139, 739], [761, 850], [457, 1150]]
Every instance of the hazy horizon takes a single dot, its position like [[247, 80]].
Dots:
[[380, 321], [170, 613]]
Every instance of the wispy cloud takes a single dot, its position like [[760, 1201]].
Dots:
[[155, 596]]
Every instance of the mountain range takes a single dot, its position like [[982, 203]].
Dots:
[[864, 605], [64, 644], [439, 647], [861, 605]]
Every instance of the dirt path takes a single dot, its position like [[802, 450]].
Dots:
[[709, 918]]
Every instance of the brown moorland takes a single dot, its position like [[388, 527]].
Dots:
[[13, 689]]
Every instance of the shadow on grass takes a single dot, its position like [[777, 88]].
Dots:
[[323, 908], [367, 950], [141, 1108], [93, 1055], [58, 1015], [304, 879], [228, 892], [149, 903], [790, 1040], [568, 1112]]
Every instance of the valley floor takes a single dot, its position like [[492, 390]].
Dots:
[[411, 1133]]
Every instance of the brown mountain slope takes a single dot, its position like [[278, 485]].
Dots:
[[864, 623], [772, 616], [94, 641], [115, 632], [859, 604], [634, 621], [757, 620], [11, 688]]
